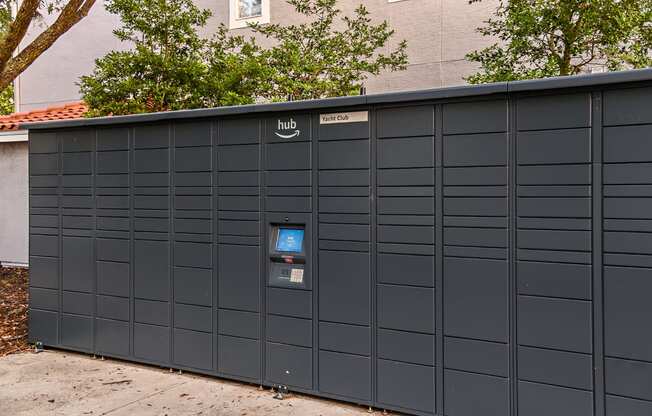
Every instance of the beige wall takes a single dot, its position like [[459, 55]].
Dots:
[[439, 34], [13, 203]]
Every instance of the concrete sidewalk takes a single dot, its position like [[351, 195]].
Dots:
[[63, 383]]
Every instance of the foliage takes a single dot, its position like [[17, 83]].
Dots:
[[15, 59], [7, 101], [315, 60], [170, 66], [544, 38], [7, 95]]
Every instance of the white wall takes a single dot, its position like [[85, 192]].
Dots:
[[14, 203]]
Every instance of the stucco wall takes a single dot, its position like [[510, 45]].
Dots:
[[439, 34], [13, 203]]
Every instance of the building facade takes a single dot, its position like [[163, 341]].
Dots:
[[13, 204], [439, 34], [14, 179]]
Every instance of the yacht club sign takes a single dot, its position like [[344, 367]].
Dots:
[[297, 127]]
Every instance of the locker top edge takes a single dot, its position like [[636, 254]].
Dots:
[[576, 81]]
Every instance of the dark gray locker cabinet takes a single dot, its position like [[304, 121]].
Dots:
[[467, 251]]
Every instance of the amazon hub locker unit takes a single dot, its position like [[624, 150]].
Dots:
[[470, 251]]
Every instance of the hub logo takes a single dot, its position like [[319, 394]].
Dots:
[[287, 129]]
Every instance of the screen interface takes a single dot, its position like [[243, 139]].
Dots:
[[289, 240]]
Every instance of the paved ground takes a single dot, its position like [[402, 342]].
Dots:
[[62, 383]]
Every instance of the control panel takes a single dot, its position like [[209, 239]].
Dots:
[[287, 256]]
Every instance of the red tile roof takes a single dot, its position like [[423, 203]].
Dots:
[[62, 112]]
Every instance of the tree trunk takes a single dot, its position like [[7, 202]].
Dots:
[[11, 67]]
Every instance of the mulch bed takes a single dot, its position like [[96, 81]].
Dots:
[[13, 310]]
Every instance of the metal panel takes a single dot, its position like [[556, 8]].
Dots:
[[625, 406], [289, 365], [482, 357], [555, 367], [289, 302], [46, 299], [407, 347], [405, 153], [44, 327], [351, 339], [77, 264], [112, 337], [539, 323], [406, 270], [407, 386], [338, 270], [627, 313], [44, 272], [193, 286], [193, 349], [286, 330], [406, 308], [544, 400], [628, 106], [77, 332], [152, 312], [152, 343], [344, 155], [406, 121], [554, 279], [196, 318], [629, 378], [542, 147], [113, 278], [475, 304], [239, 278], [77, 303], [554, 111], [239, 324], [152, 270], [486, 116], [468, 394], [112, 307], [345, 375]]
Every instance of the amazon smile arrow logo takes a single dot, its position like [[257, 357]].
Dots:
[[285, 126], [288, 136]]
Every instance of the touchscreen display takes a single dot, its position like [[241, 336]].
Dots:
[[290, 240]]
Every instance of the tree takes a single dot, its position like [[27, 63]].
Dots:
[[544, 38], [14, 61], [170, 66], [7, 101], [314, 60], [7, 95]]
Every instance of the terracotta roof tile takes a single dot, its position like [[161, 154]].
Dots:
[[62, 112]]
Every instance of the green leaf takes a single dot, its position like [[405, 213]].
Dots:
[[545, 38]]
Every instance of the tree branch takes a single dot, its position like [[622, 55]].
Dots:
[[71, 14], [17, 30]]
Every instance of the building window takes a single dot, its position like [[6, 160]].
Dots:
[[242, 12], [249, 8]]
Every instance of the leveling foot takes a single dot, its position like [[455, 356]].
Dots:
[[281, 392]]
